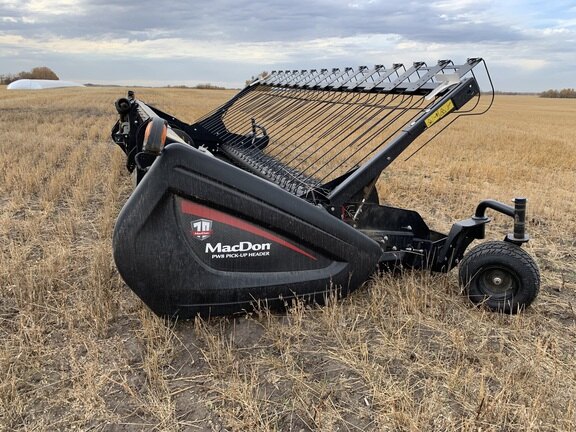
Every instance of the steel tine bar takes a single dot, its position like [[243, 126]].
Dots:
[[273, 104], [338, 115], [337, 85], [297, 146], [361, 78], [323, 111], [267, 78], [404, 77], [289, 99], [310, 176], [385, 75], [294, 77], [357, 112], [287, 115], [353, 79], [316, 158], [288, 78], [325, 121], [300, 98], [352, 117], [232, 114], [342, 75], [312, 112], [331, 98], [282, 100], [239, 117], [389, 117], [283, 115], [338, 123], [210, 114], [434, 83], [253, 113], [299, 76], [428, 76], [335, 126], [253, 97], [279, 109], [277, 78], [307, 77], [319, 103], [462, 70], [250, 90], [416, 107], [382, 127], [221, 109], [255, 101], [323, 75], [283, 78], [273, 99], [273, 76], [216, 123], [338, 143], [389, 137], [362, 84], [333, 74]]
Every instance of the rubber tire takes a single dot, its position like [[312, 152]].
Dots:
[[509, 261]]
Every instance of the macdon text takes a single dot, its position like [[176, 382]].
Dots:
[[244, 246]]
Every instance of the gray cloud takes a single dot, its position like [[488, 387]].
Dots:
[[219, 40], [255, 21]]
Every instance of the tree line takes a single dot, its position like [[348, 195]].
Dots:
[[564, 93], [41, 72]]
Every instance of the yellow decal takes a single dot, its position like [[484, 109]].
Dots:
[[439, 113]]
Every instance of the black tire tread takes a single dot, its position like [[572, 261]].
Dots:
[[503, 249]]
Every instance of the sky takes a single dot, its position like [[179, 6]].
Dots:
[[529, 46]]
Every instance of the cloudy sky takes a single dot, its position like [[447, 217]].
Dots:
[[528, 45]]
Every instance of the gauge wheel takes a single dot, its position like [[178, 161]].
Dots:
[[500, 276]]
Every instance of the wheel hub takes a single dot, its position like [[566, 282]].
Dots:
[[498, 282]]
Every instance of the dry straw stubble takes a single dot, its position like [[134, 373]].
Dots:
[[79, 350]]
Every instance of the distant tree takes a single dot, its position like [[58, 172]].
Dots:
[[564, 93], [7, 79], [568, 93], [208, 86], [41, 72], [549, 94]]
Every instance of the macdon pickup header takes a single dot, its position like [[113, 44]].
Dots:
[[272, 196]]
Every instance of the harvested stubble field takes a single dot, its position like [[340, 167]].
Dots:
[[406, 353]]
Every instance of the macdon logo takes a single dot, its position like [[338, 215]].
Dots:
[[244, 246], [201, 228]]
